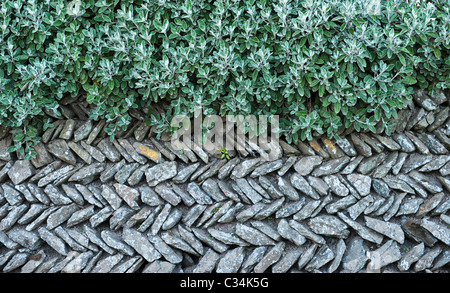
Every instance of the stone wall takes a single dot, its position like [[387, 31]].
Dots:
[[368, 202]]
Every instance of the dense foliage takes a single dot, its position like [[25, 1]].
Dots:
[[319, 64]]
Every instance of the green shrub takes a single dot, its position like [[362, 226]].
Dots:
[[319, 64]]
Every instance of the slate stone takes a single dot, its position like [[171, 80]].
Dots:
[[302, 184], [53, 241], [244, 168], [13, 216], [439, 231], [362, 231], [252, 235], [412, 256], [386, 254], [391, 230], [231, 261], [322, 257], [11, 195], [426, 261], [80, 216], [61, 215], [305, 232], [305, 165], [289, 233], [21, 171], [307, 256], [111, 197], [80, 151], [329, 226], [355, 257], [61, 150], [331, 166], [160, 173], [207, 262], [108, 149], [24, 238], [336, 185], [270, 258], [415, 231], [361, 147]]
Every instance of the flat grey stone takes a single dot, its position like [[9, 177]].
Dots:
[[226, 169], [53, 173], [231, 261], [12, 196], [53, 241], [290, 161], [329, 226], [386, 254], [307, 210], [18, 260], [24, 238], [405, 143], [159, 266], [247, 189], [361, 147], [399, 164], [307, 255], [340, 204], [21, 171], [93, 152], [87, 171], [270, 258], [252, 235], [302, 184], [412, 256], [213, 190], [322, 257], [61, 215], [108, 149], [340, 250], [409, 206], [165, 250], [80, 216], [362, 231], [206, 238], [430, 204], [362, 183], [336, 185], [439, 231], [305, 165], [73, 194], [391, 230], [207, 262], [106, 265], [111, 197], [184, 174], [254, 258], [286, 261], [426, 261], [289, 233], [172, 219], [78, 263], [267, 168], [355, 257], [13, 216], [331, 166], [198, 194], [61, 150], [305, 232], [65, 236], [56, 196], [244, 168], [273, 191], [358, 208], [370, 163], [161, 172], [435, 164], [428, 182]]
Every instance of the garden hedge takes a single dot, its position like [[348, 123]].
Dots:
[[319, 64]]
